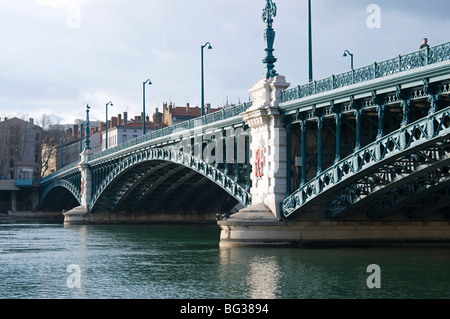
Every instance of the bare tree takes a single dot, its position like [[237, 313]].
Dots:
[[51, 139]]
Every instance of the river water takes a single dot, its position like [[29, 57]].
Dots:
[[48, 260]]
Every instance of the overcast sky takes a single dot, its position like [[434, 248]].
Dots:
[[56, 56]]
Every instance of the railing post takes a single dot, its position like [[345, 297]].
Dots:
[[237, 176], [319, 144], [430, 125], [338, 118], [402, 139], [304, 152], [288, 159], [358, 120], [380, 110]]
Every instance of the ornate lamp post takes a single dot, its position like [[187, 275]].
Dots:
[[269, 12], [351, 55], [106, 138], [143, 107], [203, 82]]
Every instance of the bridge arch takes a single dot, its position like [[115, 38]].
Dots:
[[58, 195], [159, 178], [412, 160]]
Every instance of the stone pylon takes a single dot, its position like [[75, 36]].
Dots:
[[80, 214], [86, 179], [268, 145], [259, 224]]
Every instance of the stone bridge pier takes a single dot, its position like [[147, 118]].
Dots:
[[316, 181], [261, 223]]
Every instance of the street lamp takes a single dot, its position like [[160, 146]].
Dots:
[[310, 42], [143, 120], [106, 140], [203, 83], [351, 55]]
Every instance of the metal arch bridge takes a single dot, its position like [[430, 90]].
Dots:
[[373, 140], [381, 140], [159, 171]]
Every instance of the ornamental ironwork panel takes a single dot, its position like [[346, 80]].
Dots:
[[390, 147], [410, 61]]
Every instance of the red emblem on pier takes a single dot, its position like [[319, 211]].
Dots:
[[260, 162]]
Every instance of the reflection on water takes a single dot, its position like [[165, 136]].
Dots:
[[260, 275], [264, 280], [186, 262]]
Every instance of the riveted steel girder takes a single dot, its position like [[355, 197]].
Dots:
[[420, 146]]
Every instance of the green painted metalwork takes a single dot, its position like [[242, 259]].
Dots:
[[158, 154], [304, 152], [288, 159], [338, 118], [375, 156], [179, 128], [310, 53], [319, 144], [347, 53], [111, 161], [143, 105], [207, 44], [88, 129], [379, 70], [106, 125], [269, 12], [70, 184], [358, 119]]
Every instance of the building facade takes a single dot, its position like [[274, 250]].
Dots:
[[20, 164]]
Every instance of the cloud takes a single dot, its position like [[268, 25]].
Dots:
[[52, 64], [59, 3]]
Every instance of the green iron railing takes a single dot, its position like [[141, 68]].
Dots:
[[179, 127], [410, 61], [166, 131]]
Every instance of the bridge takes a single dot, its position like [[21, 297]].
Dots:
[[193, 167], [359, 157]]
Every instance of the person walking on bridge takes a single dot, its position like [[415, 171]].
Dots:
[[425, 44]]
